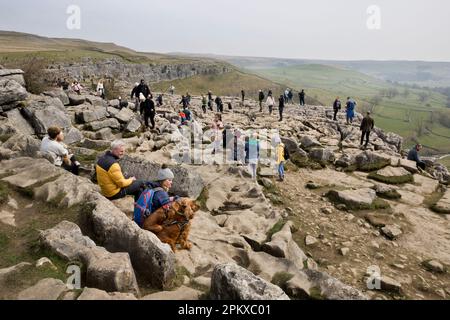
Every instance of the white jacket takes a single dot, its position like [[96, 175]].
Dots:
[[270, 101]]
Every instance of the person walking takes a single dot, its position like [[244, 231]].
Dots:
[[261, 99], [243, 95], [281, 107], [290, 96], [147, 108], [350, 110], [302, 95], [367, 125], [204, 103], [252, 153], [270, 102], [101, 89], [336, 107], [172, 89], [280, 153]]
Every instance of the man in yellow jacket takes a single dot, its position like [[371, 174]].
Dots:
[[112, 183]]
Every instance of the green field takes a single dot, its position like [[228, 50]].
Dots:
[[403, 113]]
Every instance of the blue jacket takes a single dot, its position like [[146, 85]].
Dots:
[[413, 155], [160, 197]]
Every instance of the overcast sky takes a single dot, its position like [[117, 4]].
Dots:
[[318, 29]]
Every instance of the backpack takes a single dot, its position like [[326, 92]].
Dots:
[[286, 154], [143, 207]]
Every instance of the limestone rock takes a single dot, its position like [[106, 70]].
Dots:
[[443, 205], [391, 231], [125, 115], [392, 175], [108, 123], [308, 142], [11, 92], [369, 161], [113, 229], [353, 199], [46, 289], [13, 271], [231, 282], [96, 294], [76, 99], [60, 94], [182, 293], [108, 271]]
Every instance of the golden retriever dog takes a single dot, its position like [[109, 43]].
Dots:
[[172, 226]]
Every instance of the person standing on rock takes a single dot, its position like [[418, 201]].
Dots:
[[413, 155], [135, 95], [350, 110], [252, 153], [53, 146], [159, 100], [270, 102], [101, 89], [144, 89], [216, 127], [290, 96], [367, 125], [336, 107], [184, 102], [147, 108], [210, 96], [261, 99], [301, 96], [243, 95], [218, 102], [204, 103], [113, 184], [280, 152], [281, 107], [171, 89]]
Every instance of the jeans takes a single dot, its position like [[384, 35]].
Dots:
[[281, 170], [72, 167], [252, 169]]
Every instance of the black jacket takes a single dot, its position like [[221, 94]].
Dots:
[[147, 107], [144, 89], [281, 103], [367, 124], [261, 96], [337, 105]]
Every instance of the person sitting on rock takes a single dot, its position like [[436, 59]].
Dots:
[[162, 186], [52, 146], [112, 183], [413, 155], [76, 86]]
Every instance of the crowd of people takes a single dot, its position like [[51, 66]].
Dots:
[[238, 146]]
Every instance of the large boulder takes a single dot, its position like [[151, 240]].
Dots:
[[185, 184], [91, 115], [13, 74], [23, 145], [133, 125], [45, 289], [112, 229], [14, 271], [282, 245], [369, 161], [72, 135], [354, 199], [11, 92], [20, 124], [108, 123], [231, 282], [323, 156], [443, 205], [392, 175], [108, 271], [60, 94], [125, 115], [76, 99], [308, 142]]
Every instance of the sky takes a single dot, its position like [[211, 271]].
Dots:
[[318, 29]]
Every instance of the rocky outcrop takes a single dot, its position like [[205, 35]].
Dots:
[[11, 92], [231, 282], [112, 229], [108, 271], [369, 161], [45, 289], [185, 184]]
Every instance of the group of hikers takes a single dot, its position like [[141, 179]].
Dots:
[[108, 172]]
